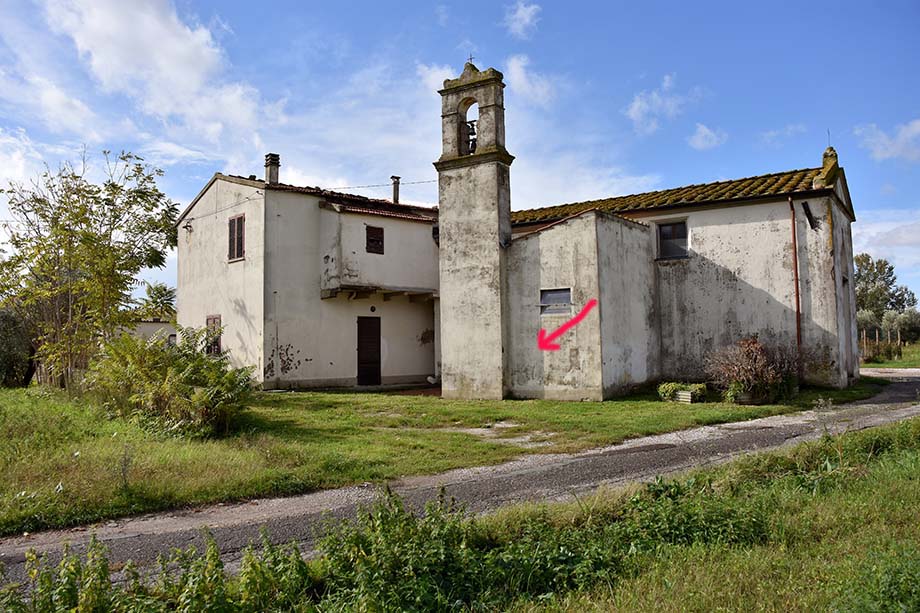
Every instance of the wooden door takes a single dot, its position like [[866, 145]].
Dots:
[[368, 351]]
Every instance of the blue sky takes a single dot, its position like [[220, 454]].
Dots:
[[603, 98]]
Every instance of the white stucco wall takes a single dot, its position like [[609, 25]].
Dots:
[[628, 301], [147, 329], [208, 284], [845, 288], [311, 341], [561, 256], [410, 258], [739, 281]]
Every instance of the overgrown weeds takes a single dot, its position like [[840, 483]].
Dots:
[[177, 389], [392, 559]]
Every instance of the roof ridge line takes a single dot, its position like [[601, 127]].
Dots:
[[667, 189]]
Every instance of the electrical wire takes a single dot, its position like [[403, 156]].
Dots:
[[401, 183]]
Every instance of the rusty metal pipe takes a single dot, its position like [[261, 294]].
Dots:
[[798, 303]]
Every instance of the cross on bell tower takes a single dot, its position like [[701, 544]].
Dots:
[[474, 222]]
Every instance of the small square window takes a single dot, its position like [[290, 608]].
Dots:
[[374, 240], [556, 301], [672, 240]]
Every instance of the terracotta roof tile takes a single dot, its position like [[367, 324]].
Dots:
[[776, 184], [359, 204]]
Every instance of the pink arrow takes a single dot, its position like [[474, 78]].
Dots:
[[545, 342]]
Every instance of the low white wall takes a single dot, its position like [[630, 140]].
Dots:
[[561, 256], [628, 301]]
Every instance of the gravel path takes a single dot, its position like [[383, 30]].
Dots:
[[529, 478]]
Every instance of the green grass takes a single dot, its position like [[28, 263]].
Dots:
[[910, 358], [63, 464], [833, 545], [825, 526]]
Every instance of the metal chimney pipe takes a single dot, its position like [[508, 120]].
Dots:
[[395, 181], [272, 163]]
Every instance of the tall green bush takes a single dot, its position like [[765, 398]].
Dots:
[[175, 388], [15, 350]]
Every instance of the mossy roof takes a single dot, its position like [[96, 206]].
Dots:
[[775, 184]]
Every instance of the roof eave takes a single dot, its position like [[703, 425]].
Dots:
[[688, 205], [222, 177]]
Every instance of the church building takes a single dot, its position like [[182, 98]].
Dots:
[[317, 288]]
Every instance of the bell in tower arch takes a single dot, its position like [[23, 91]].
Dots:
[[471, 135]]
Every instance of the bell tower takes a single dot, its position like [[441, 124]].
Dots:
[[474, 196]]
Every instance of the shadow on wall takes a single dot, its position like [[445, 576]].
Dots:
[[696, 306], [557, 259], [244, 331], [704, 306]]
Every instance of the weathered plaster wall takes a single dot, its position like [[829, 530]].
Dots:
[[561, 256], [409, 261], [846, 292], [474, 222], [739, 281], [208, 284], [311, 341], [628, 303]]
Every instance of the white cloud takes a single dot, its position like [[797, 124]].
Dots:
[[20, 159], [166, 153], [539, 179], [521, 19], [893, 234], [20, 162], [39, 97], [172, 70], [649, 108], [433, 76], [706, 138], [62, 112], [530, 86], [904, 143], [441, 14], [777, 137]]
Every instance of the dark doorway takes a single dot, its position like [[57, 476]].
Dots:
[[368, 351]]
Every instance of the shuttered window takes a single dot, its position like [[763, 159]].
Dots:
[[212, 324], [237, 237], [374, 240], [672, 240]]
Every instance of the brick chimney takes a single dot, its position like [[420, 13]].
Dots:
[[395, 181], [272, 163]]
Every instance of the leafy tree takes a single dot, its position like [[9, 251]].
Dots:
[[76, 249], [877, 289], [890, 320], [160, 302], [867, 320], [15, 350], [909, 325]]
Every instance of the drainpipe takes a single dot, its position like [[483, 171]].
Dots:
[[798, 304]]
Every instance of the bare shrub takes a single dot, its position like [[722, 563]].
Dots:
[[767, 373]]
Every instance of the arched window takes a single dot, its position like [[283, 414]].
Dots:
[[469, 126]]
